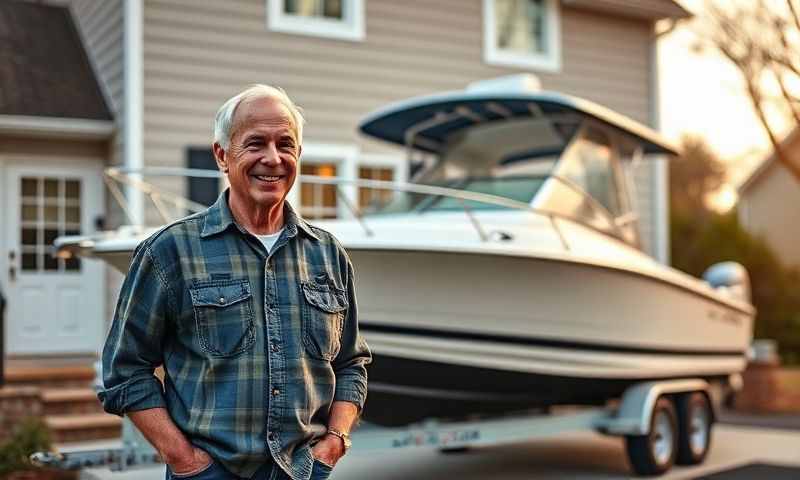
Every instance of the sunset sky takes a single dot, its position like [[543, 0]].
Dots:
[[701, 93]]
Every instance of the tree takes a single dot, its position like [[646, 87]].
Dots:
[[695, 175], [761, 38]]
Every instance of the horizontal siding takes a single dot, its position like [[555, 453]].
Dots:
[[101, 24], [768, 209], [197, 53]]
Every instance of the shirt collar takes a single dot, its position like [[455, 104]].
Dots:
[[219, 217]]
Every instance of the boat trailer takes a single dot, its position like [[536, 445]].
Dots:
[[656, 419]]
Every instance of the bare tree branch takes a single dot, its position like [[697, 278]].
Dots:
[[762, 44]]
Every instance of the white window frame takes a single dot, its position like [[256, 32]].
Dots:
[[548, 62], [351, 28], [347, 158]]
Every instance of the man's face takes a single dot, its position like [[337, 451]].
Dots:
[[263, 152]]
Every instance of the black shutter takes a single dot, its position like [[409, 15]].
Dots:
[[202, 190]]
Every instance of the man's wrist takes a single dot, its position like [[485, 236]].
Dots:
[[344, 437]]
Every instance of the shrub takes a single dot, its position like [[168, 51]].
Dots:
[[30, 436]]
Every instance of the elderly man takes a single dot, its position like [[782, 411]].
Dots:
[[252, 313]]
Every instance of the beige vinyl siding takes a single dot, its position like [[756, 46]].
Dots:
[[101, 26], [197, 53], [768, 208]]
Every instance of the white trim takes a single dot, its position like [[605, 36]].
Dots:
[[351, 28], [659, 169], [133, 109], [550, 62], [4, 221], [345, 156], [74, 128]]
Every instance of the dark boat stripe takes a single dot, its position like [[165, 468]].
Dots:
[[539, 342]]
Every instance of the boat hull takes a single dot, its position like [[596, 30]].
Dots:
[[404, 391], [460, 334]]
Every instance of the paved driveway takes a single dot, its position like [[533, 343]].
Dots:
[[574, 456]]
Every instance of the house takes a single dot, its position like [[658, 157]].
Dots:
[[769, 199], [165, 66]]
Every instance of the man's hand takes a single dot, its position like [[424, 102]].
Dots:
[[328, 450], [195, 462]]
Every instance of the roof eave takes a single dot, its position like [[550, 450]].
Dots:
[[56, 127]]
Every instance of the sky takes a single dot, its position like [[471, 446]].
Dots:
[[702, 94]]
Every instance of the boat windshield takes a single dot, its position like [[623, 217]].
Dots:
[[510, 159]]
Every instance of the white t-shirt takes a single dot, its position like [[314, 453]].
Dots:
[[269, 240]]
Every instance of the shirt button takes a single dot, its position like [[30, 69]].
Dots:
[[275, 392], [221, 300]]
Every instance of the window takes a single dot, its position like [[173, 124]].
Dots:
[[341, 19], [374, 198], [522, 33], [51, 207], [202, 190], [317, 200]]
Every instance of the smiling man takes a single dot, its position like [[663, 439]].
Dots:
[[252, 313]]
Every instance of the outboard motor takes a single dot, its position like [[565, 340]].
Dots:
[[730, 277]]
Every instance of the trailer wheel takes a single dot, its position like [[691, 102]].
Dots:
[[694, 428], [654, 454]]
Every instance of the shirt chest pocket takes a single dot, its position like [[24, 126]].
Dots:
[[324, 307], [223, 312]]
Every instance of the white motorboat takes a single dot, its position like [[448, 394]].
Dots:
[[508, 274]]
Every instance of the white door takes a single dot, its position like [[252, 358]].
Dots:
[[54, 305]]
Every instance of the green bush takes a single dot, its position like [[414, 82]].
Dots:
[[30, 436], [700, 239]]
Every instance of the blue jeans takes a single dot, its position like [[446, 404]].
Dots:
[[216, 471]]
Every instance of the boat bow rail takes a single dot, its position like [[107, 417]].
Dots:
[[133, 177]]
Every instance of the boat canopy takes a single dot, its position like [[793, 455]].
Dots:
[[425, 123]]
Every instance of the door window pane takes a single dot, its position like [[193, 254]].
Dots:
[[28, 261], [30, 187], [50, 208], [73, 215], [72, 189], [30, 213], [51, 188]]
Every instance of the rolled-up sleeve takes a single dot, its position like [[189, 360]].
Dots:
[[133, 348], [354, 356]]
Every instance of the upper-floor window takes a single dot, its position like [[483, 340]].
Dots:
[[522, 33], [342, 19]]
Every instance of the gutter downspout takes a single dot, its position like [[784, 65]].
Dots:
[[660, 177], [133, 102]]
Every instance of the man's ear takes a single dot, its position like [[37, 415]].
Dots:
[[219, 156]]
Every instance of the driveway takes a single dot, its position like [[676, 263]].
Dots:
[[575, 456]]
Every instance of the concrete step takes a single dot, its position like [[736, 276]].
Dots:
[[50, 376], [81, 427], [67, 400]]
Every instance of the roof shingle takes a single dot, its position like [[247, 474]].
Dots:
[[44, 69]]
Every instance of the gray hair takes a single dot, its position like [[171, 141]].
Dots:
[[223, 121]]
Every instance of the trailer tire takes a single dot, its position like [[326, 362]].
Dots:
[[694, 428], [654, 453]]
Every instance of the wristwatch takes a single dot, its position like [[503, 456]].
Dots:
[[344, 436]]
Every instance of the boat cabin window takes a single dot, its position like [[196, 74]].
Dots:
[[510, 159], [590, 165]]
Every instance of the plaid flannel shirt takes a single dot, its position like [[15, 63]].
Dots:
[[255, 346]]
